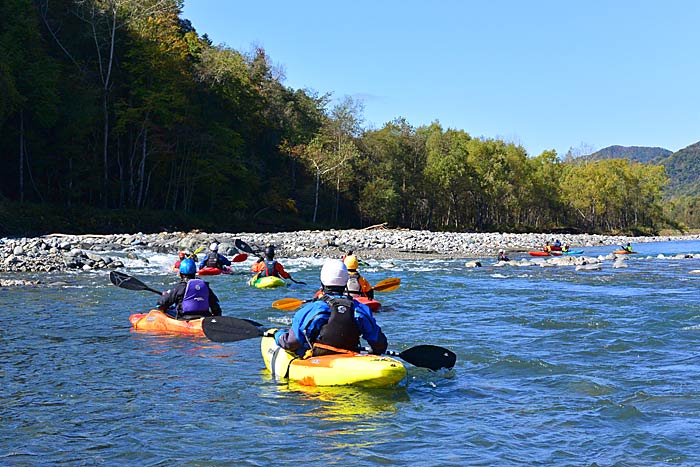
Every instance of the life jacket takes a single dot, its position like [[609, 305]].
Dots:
[[212, 260], [270, 268], [354, 287], [340, 331], [196, 298]]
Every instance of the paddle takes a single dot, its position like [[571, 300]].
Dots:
[[243, 246], [288, 304], [125, 281], [228, 329], [239, 258], [425, 356], [291, 304], [387, 285]]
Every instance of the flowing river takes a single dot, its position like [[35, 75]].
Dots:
[[554, 367]]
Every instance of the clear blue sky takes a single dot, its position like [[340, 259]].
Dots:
[[543, 74]]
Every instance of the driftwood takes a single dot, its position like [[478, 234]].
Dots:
[[376, 226]]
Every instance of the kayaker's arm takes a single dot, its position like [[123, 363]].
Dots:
[[214, 305], [168, 298]]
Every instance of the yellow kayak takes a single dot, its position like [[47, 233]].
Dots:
[[332, 370], [266, 282]]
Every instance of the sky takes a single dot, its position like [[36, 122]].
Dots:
[[541, 74]]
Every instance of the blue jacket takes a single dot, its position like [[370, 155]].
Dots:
[[308, 320]]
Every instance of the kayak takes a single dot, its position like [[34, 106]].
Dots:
[[266, 282], [576, 252], [355, 369], [544, 253], [624, 252], [212, 271], [372, 304], [157, 321], [556, 247]]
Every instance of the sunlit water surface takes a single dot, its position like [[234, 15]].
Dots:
[[555, 367]]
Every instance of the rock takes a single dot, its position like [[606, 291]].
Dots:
[[18, 251]]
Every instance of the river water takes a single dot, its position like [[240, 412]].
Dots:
[[554, 367]]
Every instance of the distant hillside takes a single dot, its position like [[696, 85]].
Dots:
[[683, 168], [641, 154]]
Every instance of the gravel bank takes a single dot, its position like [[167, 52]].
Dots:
[[87, 252]]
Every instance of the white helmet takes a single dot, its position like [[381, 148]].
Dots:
[[334, 273], [214, 247]]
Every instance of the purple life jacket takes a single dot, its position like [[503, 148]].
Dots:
[[196, 299]]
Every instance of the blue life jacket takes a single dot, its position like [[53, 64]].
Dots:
[[270, 268], [196, 299]]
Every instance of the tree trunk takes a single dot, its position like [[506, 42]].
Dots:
[[318, 186], [21, 156], [142, 167]]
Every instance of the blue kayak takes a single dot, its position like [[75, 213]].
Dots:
[[577, 252]]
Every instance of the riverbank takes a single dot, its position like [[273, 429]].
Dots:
[[86, 252]]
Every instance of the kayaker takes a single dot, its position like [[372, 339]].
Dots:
[[214, 259], [565, 248], [627, 247], [191, 297], [333, 322], [357, 285], [546, 248], [180, 256], [502, 256], [268, 266]]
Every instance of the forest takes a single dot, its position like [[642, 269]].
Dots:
[[117, 115]]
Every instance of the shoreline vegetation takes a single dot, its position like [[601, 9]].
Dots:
[[169, 131], [57, 252]]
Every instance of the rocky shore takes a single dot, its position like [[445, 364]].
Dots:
[[57, 252]]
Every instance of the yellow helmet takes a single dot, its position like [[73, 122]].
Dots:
[[351, 261]]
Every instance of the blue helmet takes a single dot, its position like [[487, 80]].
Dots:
[[187, 266]]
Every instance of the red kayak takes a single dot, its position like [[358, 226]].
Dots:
[[372, 304], [212, 271], [544, 253]]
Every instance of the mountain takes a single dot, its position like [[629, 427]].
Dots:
[[682, 167], [641, 154]]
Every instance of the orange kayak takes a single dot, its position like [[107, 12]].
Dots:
[[157, 321], [624, 252], [372, 304]]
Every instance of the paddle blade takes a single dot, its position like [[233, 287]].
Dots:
[[387, 285], [239, 258], [229, 329], [243, 246], [429, 356], [125, 281], [287, 304]]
